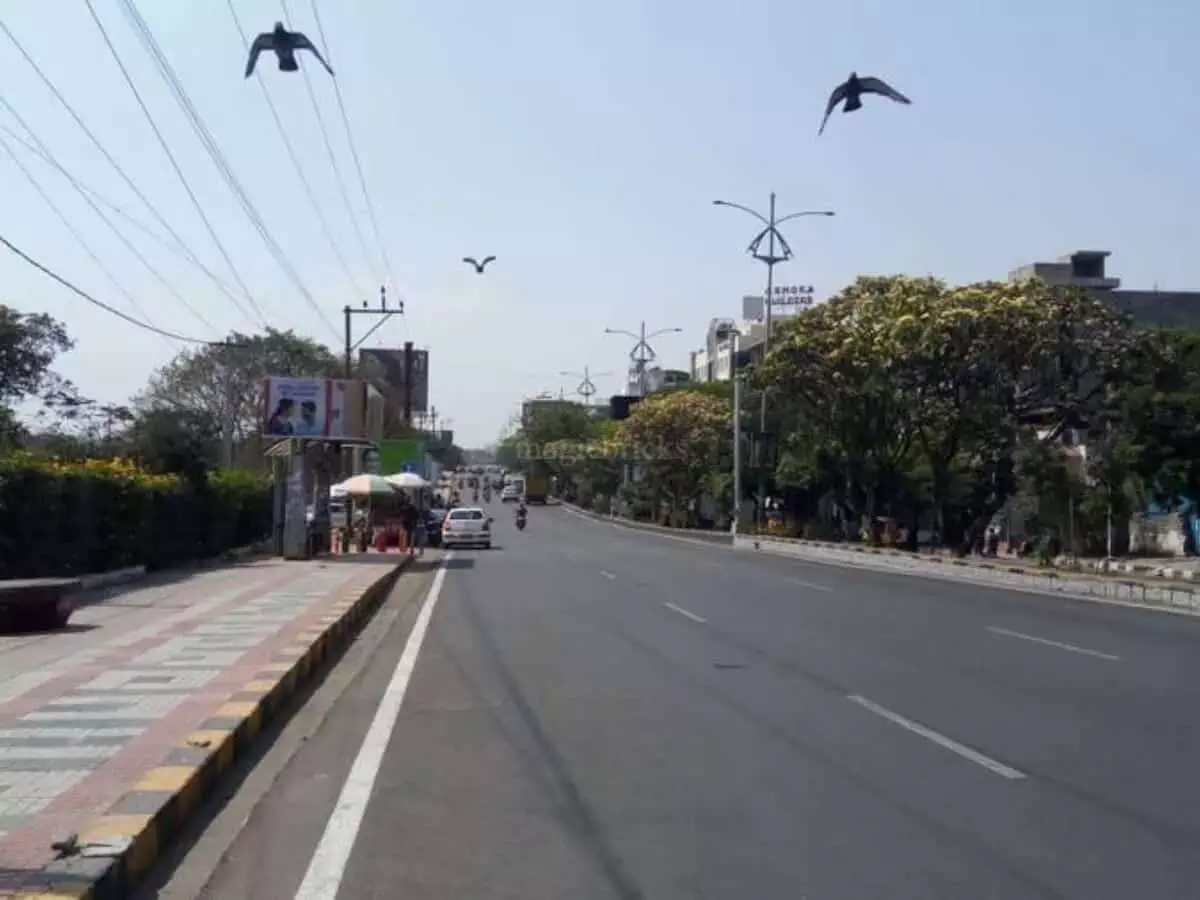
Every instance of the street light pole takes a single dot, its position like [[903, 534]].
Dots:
[[737, 437], [587, 388], [642, 352], [778, 250]]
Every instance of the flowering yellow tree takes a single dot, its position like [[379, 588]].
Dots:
[[678, 440]]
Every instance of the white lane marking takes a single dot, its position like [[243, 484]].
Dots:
[[940, 739], [684, 612], [609, 575], [324, 875], [811, 586], [1049, 643]]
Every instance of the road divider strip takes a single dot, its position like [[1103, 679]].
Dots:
[[1070, 648], [940, 739], [117, 849], [687, 614]]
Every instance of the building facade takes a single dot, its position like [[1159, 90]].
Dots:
[[1087, 269]]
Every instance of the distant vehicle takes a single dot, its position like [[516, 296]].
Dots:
[[537, 486], [467, 526], [514, 488]]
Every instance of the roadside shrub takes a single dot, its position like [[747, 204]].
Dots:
[[61, 518]]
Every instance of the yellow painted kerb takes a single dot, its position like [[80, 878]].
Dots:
[[67, 891], [260, 685], [237, 710], [167, 778]]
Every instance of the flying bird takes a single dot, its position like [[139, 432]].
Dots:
[[284, 43], [851, 92], [479, 266]]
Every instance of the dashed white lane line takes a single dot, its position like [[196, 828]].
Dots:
[[1071, 648], [810, 585], [940, 739], [324, 875], [686, 613], [609, 575]]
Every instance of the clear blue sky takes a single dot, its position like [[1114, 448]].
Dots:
[[582, 143]]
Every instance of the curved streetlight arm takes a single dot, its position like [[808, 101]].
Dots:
[[807, 212], [744, 209], [663, 331], [636, 337]]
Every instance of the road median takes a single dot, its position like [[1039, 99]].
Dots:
[[1166, 594]]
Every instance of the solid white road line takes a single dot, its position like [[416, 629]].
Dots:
[[811, 586], [609, 575], [324, 875], [939, 739], [684, 612], [1049, 643]]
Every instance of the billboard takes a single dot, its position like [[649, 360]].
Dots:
[[296, 407], [388, 366], [328, 408]]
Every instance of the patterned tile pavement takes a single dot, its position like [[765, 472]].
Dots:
[[87, 714]]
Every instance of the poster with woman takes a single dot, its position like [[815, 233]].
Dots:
[[296, 407]]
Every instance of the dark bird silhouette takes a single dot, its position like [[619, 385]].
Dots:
[[851, 92], [479, 266], [284, 44]]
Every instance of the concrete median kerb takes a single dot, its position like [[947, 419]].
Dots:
[[1091, 568], [115, 850]]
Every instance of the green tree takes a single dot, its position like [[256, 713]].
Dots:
[[678, 439], [907, 391], [1157, 410], [205, 381]]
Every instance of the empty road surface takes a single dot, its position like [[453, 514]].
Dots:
[[592, 712]]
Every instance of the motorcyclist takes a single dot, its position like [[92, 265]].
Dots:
[[521, 511]]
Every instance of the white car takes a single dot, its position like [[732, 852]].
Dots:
[[467, 526]]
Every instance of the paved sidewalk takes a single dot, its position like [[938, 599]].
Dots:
[[93, 718]]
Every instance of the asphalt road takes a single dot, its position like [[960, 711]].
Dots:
[[600, 713]]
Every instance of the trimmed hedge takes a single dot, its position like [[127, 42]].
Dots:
[[70, 519]]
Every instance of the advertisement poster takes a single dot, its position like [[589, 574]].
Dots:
[[296, 407]]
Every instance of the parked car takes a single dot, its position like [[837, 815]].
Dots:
[[467, 526]]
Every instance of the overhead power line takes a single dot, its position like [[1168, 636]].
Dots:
[[362, 180], [99, 145], [42, 152], [120, 235], [330, 154], [295, 159], [79, 238], [173, 82], [145, 326], [166, 148]]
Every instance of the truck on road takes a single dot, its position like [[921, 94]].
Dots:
[[537, 486]]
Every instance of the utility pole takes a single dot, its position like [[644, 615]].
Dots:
[[778, 250], [349, 312]]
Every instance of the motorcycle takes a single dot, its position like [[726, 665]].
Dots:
[[521, 521]]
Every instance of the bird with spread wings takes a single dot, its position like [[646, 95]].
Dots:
[[284, 44], [479, 266], [850, 92]]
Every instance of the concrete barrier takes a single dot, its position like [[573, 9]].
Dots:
[[1163, 594], [695, 534]]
